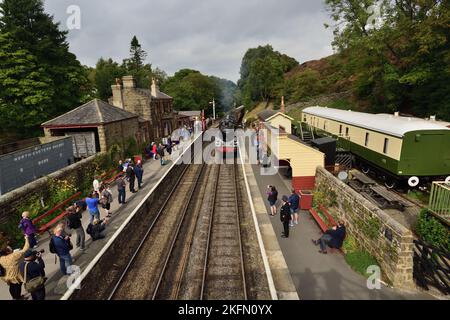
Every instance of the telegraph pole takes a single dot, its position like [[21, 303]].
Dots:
[[214, 108]]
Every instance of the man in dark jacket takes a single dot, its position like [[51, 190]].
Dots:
[[74, 222], [131, 176], [95, 229], [139, 171], [334, 238], [35, 268], [62, 249], [285, 216]]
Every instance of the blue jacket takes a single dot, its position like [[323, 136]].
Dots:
[[61, 246], [294, 201], [139, 172]]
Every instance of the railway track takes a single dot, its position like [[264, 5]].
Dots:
[[140, 279], [224, 274]]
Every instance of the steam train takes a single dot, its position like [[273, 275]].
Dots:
[[227, 126]]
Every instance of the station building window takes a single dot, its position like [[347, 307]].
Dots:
[[366, 143], [386, 145]]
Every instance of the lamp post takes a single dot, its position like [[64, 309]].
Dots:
[[214, 108]]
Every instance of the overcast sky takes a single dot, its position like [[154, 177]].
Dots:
[[207, 35]]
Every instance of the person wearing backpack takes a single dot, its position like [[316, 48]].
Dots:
[[285, 216], [74, 222], [9, 261], [61, 246], [32, 270]]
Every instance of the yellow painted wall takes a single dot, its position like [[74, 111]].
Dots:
[[303, 159], [280, 120], [358, 135]]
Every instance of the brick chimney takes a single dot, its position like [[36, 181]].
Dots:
[[282, 104], [117, 98]]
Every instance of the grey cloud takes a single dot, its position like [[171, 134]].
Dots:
[[207, 35]]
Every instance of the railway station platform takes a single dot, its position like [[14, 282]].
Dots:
[[56, 284], [317, 276]]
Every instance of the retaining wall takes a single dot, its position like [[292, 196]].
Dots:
[[374, 230]]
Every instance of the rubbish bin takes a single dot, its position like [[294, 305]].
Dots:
[[306, 198]]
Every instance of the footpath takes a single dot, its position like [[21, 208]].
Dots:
[[56, 284], [317, 276]]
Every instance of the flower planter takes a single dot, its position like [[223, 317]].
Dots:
[[306, 199]]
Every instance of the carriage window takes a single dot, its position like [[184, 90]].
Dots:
[[324, 125], [367, 139], [386, 145], [340, 129], [346, 131]]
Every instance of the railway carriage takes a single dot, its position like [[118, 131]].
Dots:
[[397, 149]]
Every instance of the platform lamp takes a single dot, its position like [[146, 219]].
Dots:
[[213, 103]]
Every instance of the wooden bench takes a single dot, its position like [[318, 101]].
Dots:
[[324, 226], [55, 220]]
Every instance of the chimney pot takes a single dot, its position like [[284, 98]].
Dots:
[[129, 82]]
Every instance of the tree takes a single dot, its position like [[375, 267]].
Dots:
[[135, 65], [105, 73], [402, 63], [262, 70], [191, 90], [37, 41], [25, 92]]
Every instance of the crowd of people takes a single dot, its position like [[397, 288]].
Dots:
[[289, 214], [26, 267]]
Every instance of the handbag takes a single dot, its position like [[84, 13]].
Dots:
[[35, 283]]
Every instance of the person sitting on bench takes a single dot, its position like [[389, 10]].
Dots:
[[333, 238]]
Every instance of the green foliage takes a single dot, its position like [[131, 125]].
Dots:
[[350, 244], [105, 73], [360, 260], [262, 71], [304, 85], [431, 230], [39, 77], [192, 90], [403, 63], [370, 228]]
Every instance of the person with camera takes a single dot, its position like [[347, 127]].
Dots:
[[32, 270], [96, 228], [60, 245], [9, 271], [74, 222], [106, 199]]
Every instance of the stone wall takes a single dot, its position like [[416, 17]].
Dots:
[[374, 230], [76, 173], [117, 132]]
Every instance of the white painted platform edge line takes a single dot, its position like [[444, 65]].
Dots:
[[91, 265], [273, 291]]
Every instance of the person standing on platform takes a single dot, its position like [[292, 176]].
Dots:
[[106, 200], [272, 197], [160, 151], [139, 171], [60, 245], [120, 166], [96, 185], [154, 150], [294, 202], [285, 216], [131, 176], [10, 261], [28, 228], [33, 267], [74, 223], [121, 188], [92, 205]]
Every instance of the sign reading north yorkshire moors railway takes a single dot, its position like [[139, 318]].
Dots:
[[23, 166]]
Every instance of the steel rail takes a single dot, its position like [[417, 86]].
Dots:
[[130, 262], [175, 237]]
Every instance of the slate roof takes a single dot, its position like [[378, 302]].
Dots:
[[159, 94], [190, 113], [266, 114], [92, 113]]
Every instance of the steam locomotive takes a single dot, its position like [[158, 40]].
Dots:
[[232, 121]]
